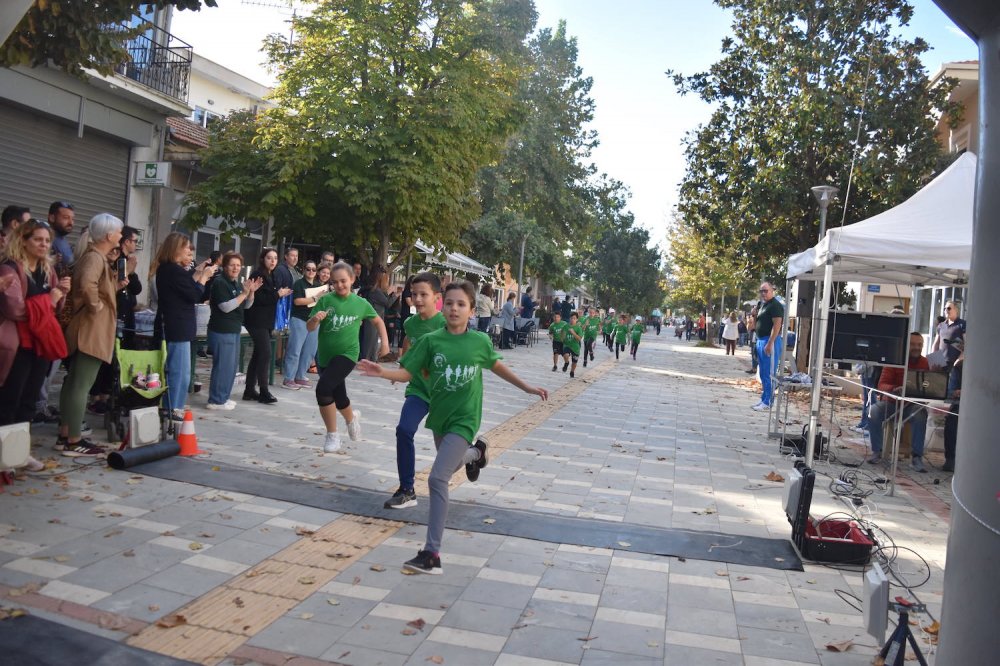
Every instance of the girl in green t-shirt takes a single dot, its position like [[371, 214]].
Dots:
[[571, 343], [557, 331], [620, 334], [635, 333], [451, 361], [338, 316]]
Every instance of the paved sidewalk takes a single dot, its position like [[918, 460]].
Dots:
[[668, 440]]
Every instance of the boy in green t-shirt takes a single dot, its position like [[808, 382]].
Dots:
[[621, 334], [609, 330], [425, 288], [557, 331], [635, 332], [591, 326], [451, 361], [571, 343]]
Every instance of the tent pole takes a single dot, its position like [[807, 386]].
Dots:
[[971, 580], [819, 342]]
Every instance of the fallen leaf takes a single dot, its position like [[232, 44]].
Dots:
[[303, 531], [129, 553], [586, 638], [306, 616], [811, 582], [238, 602], [652, 644], [624, 544], [109, 621], [408, 632], [216, 468], [167, 533], [171, 621], [307, 580], [743, 578], [27, 588], [407, 572], [112, 533], [61, 558], [779, 559], [720, 572], [933, 628], [377, 567], [55, 521], [153, 608], [435, 659], [417, 624], [842, 646], [774, 476], [489, 521], [333, 602], [194, 545], [357, 580], [206, 535], [86, 498]]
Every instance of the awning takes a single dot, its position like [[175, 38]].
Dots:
[[453, 260]]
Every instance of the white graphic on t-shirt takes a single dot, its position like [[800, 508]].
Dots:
[[454, 377], [335, 322]]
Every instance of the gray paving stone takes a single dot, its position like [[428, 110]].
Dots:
[[777, 644], [572, 580], [241, 550], [485, 618], [354, 655], [546, 643], [378, 633], [143, 602], [185, 579], [107, 575], [698, 597], [297, 636], [493, 592], [627, 638], [451, 654], [594, 657], [681, 654], [649, 599], [702, 621], [424, 592], [544, 613]]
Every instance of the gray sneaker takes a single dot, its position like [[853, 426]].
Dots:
[[875, 459], [918, 464]]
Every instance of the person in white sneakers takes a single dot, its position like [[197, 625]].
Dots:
[[768, 328], [338, 316]]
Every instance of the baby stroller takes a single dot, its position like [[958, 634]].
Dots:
[[129, 391]]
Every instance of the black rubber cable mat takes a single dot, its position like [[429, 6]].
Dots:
[[33, 641], [694, 544]]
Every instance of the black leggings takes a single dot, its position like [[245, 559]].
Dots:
[[19, 393], [331, 389], [260, 360]]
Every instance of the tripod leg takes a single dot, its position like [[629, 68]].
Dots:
[[916, 649]]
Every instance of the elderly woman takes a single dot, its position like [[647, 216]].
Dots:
[[90, 335], [178, 292], [507, 316], [227, 299], [30, 295]]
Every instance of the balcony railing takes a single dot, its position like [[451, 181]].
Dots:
[[157, 59]]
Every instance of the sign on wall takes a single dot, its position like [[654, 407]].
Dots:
[[152, 174]]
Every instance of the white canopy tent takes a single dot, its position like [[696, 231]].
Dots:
[[924, 241]]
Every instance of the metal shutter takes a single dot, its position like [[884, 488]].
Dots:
[[42, 160]]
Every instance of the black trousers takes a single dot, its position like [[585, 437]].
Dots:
[[19, 392], [951, 433], [331, 389], [260, 360]]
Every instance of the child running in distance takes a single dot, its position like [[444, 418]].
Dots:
[[338, 315], [609, 331], [620, 334], [451, 361], [571, 343], [425, 291], [591, 327], [638, 328], [557, 331]]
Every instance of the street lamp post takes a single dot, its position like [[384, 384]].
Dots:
[[824, 195], [520, 268]]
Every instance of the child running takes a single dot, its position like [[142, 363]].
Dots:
[[451, 361], [557, 331], [425, 288], [609, 330], [620, 334], [571, 343], [338, 315], [636, 331], [591, 326]]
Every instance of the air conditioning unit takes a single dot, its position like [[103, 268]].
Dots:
[[15, 445]]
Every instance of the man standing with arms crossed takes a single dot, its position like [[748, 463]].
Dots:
[[768, 328]]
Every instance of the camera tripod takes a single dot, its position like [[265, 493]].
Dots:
[[894, 651]]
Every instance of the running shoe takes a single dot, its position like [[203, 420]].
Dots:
[[354, 427], [425, 562], [290, 385], [304, 383], [332, 442], [82, 449], [401, 499], [472, 469]]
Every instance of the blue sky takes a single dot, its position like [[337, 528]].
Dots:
[[625, 45]]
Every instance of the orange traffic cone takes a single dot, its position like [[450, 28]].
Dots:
[[186, 437]]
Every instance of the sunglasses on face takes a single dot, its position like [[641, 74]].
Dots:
[[765, 291]]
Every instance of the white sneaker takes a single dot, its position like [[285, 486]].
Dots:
[[332, 443], [354, 427], [759, 403], [230, 405], [761, 407], [213, 406]]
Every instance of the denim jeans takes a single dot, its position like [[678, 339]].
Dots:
[[225, 350], [300, 350], [413, 412], [915, 415], [178, 373], [767, 366]]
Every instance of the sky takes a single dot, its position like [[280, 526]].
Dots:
[[625, 45]]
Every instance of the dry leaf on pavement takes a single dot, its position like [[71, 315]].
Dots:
[[842, 646], [774, 476], [933, 628], [170, 621], [417, 624]]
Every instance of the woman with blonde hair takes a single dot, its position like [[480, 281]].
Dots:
[[731, 333], [178, 291], [90, 335]]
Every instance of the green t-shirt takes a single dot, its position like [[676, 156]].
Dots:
[[417, 328], [224, 322], [621, 333], [766, 315], [609, 326], [299, 291], [338, 333], [570, 341], [637, 331], [557, 330], [452, 366], [591, 327]]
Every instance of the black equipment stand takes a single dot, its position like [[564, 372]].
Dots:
[[894, 651]]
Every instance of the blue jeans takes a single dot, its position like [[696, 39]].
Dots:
[[768, 366], [413, 412], [300, 350], [178, 373], [225, 350], [916, 416]]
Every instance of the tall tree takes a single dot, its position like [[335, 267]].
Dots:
[[700, 272], [540, 191], [386, 110], [795, 79], [75, 35]]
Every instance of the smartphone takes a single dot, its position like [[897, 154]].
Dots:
[[121, 269]]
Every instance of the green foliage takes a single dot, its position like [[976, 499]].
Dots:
[[540, 189], [700, 272], [786, 96], [385, 113], [75, 35]]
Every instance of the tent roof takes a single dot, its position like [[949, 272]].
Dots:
[[926, 240], [454, 260]]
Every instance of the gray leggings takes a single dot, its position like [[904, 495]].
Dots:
[[453, 452]]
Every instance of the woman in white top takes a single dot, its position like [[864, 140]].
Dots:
[[484, 308], [731, 333]]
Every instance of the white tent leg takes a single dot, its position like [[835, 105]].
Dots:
[[816, 353]]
